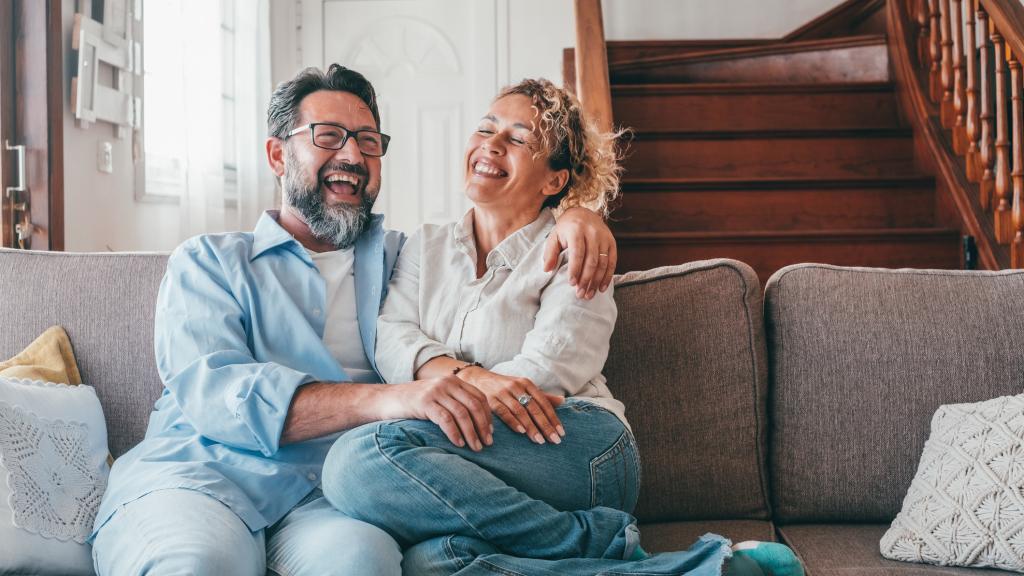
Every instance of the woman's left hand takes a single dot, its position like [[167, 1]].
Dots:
[[536, 417], [592, 250]]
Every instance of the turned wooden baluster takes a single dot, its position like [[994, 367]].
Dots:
[[1016, 220], [1004, 188], [946, 110], [973, 132], [986, 147], [934, 52], [921, 15], [959, 78]]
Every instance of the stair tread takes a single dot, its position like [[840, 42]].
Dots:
[[780, 47], [811, 133], [785, 182], [837, 234], [749, 88]]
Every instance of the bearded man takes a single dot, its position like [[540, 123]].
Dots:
[[265, 344]]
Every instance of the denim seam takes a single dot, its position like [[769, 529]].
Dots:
[[455, 558], [425, 486], [498, 569]]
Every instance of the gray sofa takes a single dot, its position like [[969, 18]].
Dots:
[[798, 414]]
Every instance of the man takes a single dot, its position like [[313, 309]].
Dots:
[[265, 341]]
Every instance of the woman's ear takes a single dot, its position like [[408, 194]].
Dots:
[[275, 155], [556, 183]]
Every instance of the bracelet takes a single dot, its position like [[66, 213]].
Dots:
[[464, 366]]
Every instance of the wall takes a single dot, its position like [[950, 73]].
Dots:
[[101, 212]]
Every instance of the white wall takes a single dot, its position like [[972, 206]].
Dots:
[[100, 210]]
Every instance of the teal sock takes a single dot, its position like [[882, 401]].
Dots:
[[638, 554], [773, 558], [742, 566]]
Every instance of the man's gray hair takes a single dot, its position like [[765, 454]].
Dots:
[[284, 102]]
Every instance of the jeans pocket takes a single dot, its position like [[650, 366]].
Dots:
[[615, 475]]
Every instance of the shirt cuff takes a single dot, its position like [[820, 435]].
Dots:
[[522, 368]]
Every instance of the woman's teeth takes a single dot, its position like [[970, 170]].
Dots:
[[487, 169]]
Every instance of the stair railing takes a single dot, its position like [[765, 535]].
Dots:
[[592, 86], [968, 59]]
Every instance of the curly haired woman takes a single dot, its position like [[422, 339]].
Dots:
[[548, 489]]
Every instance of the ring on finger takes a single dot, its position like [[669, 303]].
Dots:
[[524, 399]]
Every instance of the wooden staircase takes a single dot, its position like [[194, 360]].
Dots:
[[773, 153]]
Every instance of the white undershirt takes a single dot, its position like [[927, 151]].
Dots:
[[341, 331]]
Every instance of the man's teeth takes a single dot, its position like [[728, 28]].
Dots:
[[348, 179], [487, 169]]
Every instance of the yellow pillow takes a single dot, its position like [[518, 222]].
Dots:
[[49, 358]]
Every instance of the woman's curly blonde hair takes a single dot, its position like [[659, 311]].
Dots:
[[572, 142]]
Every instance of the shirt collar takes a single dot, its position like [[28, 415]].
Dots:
[[269, 234], [511, 250]]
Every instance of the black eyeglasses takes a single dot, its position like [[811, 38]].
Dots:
[[334, 137]]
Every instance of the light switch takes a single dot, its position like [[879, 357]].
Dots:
[[105, 157]]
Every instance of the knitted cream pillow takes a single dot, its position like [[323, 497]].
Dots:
[[965, 506]]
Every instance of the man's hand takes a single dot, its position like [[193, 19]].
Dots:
[[592, 250], [448, 401], [537, 419]]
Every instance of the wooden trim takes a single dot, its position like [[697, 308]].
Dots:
[[751, 52], [846, 16], [947, 170], [592, 64], [55, 113]]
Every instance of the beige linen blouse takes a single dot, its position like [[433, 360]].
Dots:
[[516, 320]]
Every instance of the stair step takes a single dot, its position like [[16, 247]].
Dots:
[[746, 107], [782, 204], [850, 59], [830, 154], [767, 251]]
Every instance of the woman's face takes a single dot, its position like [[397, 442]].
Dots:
[[503, 169]]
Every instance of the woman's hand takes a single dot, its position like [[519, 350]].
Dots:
[[537, 419], [592, 250]]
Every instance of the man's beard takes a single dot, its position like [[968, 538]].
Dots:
[[339, 225]]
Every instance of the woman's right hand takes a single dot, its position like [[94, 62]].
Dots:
[[537, 419]]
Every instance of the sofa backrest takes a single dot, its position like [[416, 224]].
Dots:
[[688, 359], [860, 360], [105, 302]]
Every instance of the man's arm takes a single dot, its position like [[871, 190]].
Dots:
[[229, 397], [460, 410], [591, 249]]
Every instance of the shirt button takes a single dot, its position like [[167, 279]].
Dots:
[[316, 312], [311, 476]]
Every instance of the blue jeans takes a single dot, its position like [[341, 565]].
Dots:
[[188, 533], [514, 508]]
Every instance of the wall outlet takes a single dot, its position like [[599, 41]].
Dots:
[[105, 157]]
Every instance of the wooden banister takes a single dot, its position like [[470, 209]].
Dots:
[[592, 86]]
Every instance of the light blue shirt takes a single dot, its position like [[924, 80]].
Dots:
[[239, 326]]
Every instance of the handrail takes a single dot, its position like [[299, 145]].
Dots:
[[592, 86], [964, 92]]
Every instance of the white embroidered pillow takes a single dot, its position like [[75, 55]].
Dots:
[[965, 506], [53, 471]]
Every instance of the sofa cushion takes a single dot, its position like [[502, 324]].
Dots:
[[688, 361], [852, 549], [860, 361], [105, 302], [673, 536]]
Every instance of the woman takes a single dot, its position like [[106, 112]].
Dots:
[[551, 491]]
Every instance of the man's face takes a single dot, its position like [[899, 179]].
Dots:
[[332, 190]]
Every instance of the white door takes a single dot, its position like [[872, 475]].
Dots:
[[435, 64]]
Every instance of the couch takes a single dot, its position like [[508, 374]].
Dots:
[[795, 414]]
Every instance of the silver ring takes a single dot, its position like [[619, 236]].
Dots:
[[525, 400]]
